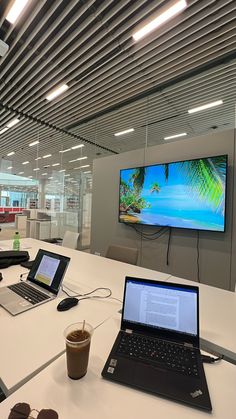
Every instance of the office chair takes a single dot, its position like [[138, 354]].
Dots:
[[70, 240], [123, 254]]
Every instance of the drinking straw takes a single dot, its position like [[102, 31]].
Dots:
[[83, 326]]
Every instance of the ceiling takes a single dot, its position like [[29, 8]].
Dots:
[[114, 82]]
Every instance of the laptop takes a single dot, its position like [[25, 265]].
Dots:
[[42, 283], [157, 348]]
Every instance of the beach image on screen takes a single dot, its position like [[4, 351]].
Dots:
[[187, 194]]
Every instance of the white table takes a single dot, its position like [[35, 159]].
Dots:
[[33, 339], [93, 397], [217, 314]]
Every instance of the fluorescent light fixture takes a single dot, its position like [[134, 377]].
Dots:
[[67, 175], [25, 162], [20, 173], [12, 123], [11, 153], [56, 164], [172, 11], [79, 158], [58, 91], [30, 177], [44, 174], [88, 171], [63, 170], [15, 10], [127, 131], [46, 156], [175, 136], [46, 166], [207, 106], [51, 177], [3, 130], [82, 167], [37, 168], [77, 146], [34, 143], [10, 167], [38, 158], [64, 151]]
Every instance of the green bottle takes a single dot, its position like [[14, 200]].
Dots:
[[16, 241]]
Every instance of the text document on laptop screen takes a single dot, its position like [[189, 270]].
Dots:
[[163, 306]]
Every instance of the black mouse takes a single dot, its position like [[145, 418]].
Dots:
[[67, 303]]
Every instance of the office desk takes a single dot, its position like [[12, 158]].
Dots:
[[93, 397], [217, 318], [33, 339]]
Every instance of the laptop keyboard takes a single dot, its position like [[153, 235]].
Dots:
[[28, 293], [158, 352]]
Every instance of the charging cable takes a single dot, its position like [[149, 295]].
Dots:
[[210, 359]]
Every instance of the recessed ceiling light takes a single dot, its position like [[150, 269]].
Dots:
[[77, 146], [64, 151], [127, 131], [175, 136], [38, 158], [34, 143], [56, 164], [58, 91], [37, 168], [163, 17], [207, 106], [15, 10], [12, 123], [3, 130], [9, 167], [25, 162], [81, 167], [46, 156], [11, 153]]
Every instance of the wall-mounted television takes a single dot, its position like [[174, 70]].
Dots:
[[185, 194]]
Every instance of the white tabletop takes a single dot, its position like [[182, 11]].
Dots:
[[31, 340], [93, 397], [217, 314]]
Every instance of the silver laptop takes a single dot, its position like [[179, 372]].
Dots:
[[42, 284]]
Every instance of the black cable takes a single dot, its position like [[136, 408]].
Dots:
[[168, 247], [210, 359], [198, 270], [87, 294], [147, 236]]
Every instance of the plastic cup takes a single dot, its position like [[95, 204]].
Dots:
[[78, 340]]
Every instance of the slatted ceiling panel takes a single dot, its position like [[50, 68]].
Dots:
[[88, 44]]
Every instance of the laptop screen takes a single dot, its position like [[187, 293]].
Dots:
[[161, 305], [48, 270]]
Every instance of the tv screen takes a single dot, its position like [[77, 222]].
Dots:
[[185, 194]]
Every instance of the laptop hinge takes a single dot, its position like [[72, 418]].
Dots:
[[128, 331], [189, 345]]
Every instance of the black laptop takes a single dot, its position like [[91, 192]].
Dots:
[[157, 348]]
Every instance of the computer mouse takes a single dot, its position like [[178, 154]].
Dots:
[[67, 303]]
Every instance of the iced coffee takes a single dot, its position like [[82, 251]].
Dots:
[[78, 338]]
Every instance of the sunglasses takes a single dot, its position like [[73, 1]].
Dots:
[[23, 411]]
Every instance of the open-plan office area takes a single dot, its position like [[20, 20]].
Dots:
[[117, 123]]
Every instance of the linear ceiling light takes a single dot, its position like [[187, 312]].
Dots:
[[62, 170], [172, 11], [15, 10], [67, 175], [124, 132], [56, 164], [64, 151], [12, 123], [77, 146], [9, 167], [88, 171], [11, 153], [79, 158], [46, 156], [175, 136], [20, 173], [44, 174], [207, 106], [34, 143], [3, 130], [38, 158], [81, 167], [37, 168], [58, 91], [25, 162]]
